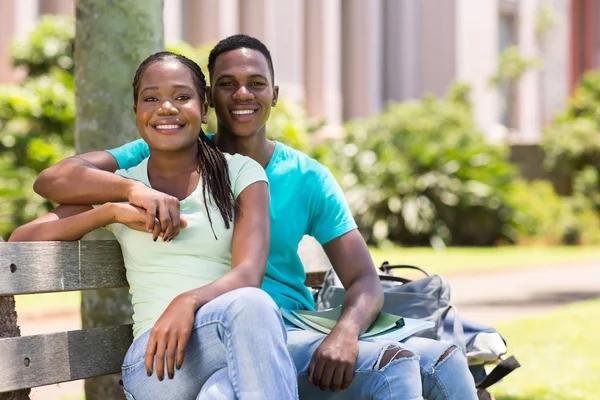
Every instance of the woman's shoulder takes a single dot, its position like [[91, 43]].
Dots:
[[138, 172], [239, 162]]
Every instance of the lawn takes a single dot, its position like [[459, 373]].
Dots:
[[451, 260], [559, 354], [471, 259]]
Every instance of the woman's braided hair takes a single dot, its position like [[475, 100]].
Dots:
[[211, 161]]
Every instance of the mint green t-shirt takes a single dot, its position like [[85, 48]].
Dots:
[[305, 200], [157, 271]]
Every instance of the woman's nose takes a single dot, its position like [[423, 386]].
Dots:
[[167, 108]]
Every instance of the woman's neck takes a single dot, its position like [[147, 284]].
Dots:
[[174, 172]]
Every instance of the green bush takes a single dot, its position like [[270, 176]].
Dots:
[[36, 118], [422, 173], [572, 147]]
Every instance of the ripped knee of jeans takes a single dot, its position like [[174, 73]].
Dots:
[[391, 353], [446, 354]]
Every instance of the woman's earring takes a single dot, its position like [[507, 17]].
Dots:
[[274, 103]]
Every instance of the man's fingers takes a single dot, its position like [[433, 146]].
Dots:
[[317, 372], [166, 222], [183, 222], [176, 224], [327, 375], [149, 357], [337, 379], [156, 231], [151, 217], [348, 376]]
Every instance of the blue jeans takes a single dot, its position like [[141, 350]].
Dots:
[[398, 380], [442, 379], [237, 350]]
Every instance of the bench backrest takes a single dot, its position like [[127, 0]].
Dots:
[[43, 267]]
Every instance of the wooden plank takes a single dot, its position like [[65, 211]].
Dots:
[[40, 267], [38, 360]]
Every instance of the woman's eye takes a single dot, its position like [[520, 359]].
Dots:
[[151, 98], [183, 97], [226, 84]]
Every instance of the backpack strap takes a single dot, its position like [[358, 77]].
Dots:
[[503, 368], [386, 267], [459, 333]]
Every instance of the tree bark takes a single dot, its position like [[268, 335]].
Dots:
[[112, 38]]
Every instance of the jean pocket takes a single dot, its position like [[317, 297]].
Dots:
[[130, 366], [128, 395]]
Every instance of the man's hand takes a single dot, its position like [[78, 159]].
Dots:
[[162, 211], [170, 335], [135, 217], [332, 364]]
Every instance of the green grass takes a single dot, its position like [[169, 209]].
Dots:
[[559, 353], [40, 304], [472, 259]]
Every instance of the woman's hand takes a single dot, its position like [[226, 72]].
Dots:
[[170, 335]]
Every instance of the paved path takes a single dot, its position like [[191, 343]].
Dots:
[[485, 297], [497, 296]]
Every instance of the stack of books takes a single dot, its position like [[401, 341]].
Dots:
[[386, 326]]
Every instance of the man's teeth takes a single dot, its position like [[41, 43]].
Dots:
[[171, 126], [242, 112]]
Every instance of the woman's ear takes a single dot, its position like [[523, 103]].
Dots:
[[134, 109], [204, 114], [209, 99]]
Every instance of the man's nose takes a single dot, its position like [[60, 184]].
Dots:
[[243, 94], [167, 108]]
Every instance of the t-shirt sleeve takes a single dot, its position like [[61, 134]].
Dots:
[[244, 171], [330, 216], [130, 154]]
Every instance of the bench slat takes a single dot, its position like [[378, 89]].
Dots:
[[40, 267], [63, 356]]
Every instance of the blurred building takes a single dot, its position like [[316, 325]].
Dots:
[[347, 58]]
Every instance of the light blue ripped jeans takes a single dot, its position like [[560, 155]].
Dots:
[[446, 379], [237, 350], [398, 380]]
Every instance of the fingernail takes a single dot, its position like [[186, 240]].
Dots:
[[155, 239]]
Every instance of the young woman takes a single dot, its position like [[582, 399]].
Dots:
[[197, 303]]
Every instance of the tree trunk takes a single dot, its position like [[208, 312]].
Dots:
[[112, 38], [9, 328]]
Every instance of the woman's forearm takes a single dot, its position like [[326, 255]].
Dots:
[[65, 223], [240, 276]]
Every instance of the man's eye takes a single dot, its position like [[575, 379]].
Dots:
[[226, 84], [257, 84]]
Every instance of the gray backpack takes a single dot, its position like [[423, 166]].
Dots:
[[427, 298]]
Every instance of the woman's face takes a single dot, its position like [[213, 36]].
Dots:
[[168, 112]]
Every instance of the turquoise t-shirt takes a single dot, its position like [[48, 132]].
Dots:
[[305, 200]]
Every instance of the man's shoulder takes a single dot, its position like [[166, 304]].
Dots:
[[294, 160]]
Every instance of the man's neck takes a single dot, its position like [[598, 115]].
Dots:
[[257, 147]]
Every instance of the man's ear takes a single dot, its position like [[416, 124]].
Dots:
[[204, 113], [275, 96], [209, 99]]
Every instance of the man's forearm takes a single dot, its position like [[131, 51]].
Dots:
[[361, 305], [77, 181]]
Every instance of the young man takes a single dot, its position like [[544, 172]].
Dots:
[[305, 199]]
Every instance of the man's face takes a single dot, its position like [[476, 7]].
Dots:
[[242, 92]]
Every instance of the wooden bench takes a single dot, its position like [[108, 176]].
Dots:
[[44, 267]]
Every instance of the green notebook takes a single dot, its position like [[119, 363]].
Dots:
[[325, 320]]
